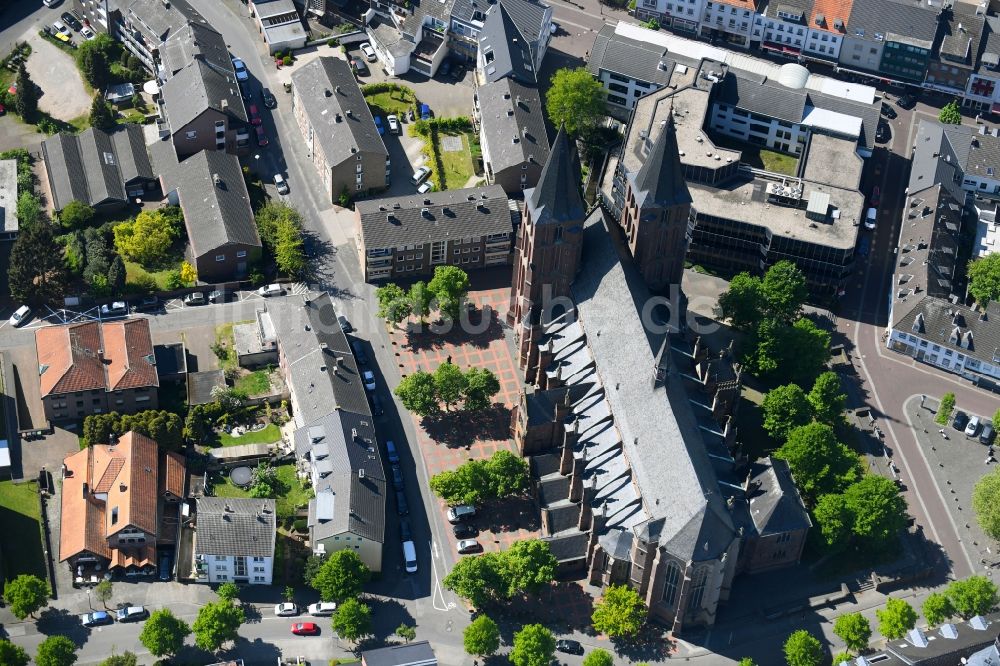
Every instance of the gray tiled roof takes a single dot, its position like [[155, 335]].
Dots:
[[195, 41], [940, 318], [508, 53], [660, 180], [904, 21], [235, 527], [508, 109], [329, 91], [939, 650], [636, 60], [157, 20], [790, 7], [557, 196], [196, 88], [962, 31], [353, 473], [130, 148], [215, 201], [774, 504], [977, 153], [438, 9], [451, 215], [98, 155], [990, 49], [412, 654], [758, 94]]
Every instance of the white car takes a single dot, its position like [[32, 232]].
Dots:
[[553, 28], [271, 290], [88, 33], [973, 427], [51, 3], [420, 175], [393, 123], [322, 609], [58, 26], [369, 378], [425, 187], [466, 546], [241, 70], [20, 316], [114, 309], [286, 609], [460, 513], [281, 183], [369, 52]]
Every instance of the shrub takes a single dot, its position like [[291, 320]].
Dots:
[[945, 408], [287, 61]]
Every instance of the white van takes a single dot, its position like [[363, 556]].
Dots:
[[871, 218], [410, 556]]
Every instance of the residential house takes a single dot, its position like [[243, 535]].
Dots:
[[782, 28], [339, 130], [234, 540], [409, 236], [513, 40], [962, 31], [96, 367], [119, 501], [827, 27], [512, 134], [105, 170], [279, 24], [677, 15], [221, 229], [890, 39], [968, 156], [8, 200], [142, 26], [417, 653], [728, 20], [202, 109]]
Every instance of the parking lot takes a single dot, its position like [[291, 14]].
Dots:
[[54, 71]]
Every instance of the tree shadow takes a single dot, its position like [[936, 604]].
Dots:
[[60, 622], [390, 614], [251, 614], [653, 643], [476, 328], [458, 429], [512, 514]]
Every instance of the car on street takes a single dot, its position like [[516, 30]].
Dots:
[[359, 66], [465, 531], [359, 352], [305, 629], [195, 298], [96, 619], [271, 290], [322, 608], [268, 98], [889, 112], [88, 33], [217, 296], [864, 246], [241, 70], [425, 112], [883, 133], [393, 455], [409, 556], [405, 531], [114, 309], [254, 115], [960, 420], [425, 187], [461, 513], [369, 52], [871, 218], [376, 405], [569, 646], [972, 428], [61, 29], [280, 183], [71, 21], [245, 92], [261, 136], [369, 378], [132, 614], [420, 175], [345, 325], [20, 316], [402, 506], [393, 121], [876, 196], [397, 477], [466, 546], [287, 609], [379, 126], [906, 102]]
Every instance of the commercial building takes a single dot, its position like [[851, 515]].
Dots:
[[962, 27], [339, 130], [234, 540], [728, 20], [418, 653], [279, 24], [890, 39], [512, 133], [409, 236]]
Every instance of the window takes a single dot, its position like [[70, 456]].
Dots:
[[114, 515], [192, 135], [698, 589], [220, 257], [670, 584], [241, 254]]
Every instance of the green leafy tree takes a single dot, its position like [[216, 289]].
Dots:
[[480, 387], [834, 520], [56, 651], [341, 576], [76, 214], [951, 113], [228, 591], [986, 502], [420, 297], [743, 304], [101, 115], [619, 612], [575, 101], [123, 659], [26, 98], [528, 566], [352, 620], [747, 661], [599, 657], [466, 484], [843, 657], [937, 608], [819, 463], [785, 408], [92, 56], [945, 407], [271, 217], [12, 655], [803, 649], [803, 350], [147, 239], [104, 591], [784, 290], [163, 633], [897, 618], [975, 595], [482, 637], [29, 210], [217, 623], [878, 510], [449, 285], [289, 250], [418, 394], [166, 428], [25, 595], [449, 384], [36, 273], [507, 474], [984, 279], [534, 645], [393, 303], [117, 276], [854, 630], [827, 399], [476, 579], [406, 632]]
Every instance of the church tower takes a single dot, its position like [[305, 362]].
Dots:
[[657, 213], [548, 248]]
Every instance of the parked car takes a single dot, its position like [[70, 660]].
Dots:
[[883, 133], [359, 352], [402, 506], [359, 66], [959, 421], [88, 33], [569, 646], [287, 609], [322, 608], [51, 3], [379, 126], [461, 513], [397, 477], [988, 433], [71, 21], [217, 296], [445, 68], [114, 309], [376, 405], [405, 532], [254, 114], [465, 531], [889, 112], [972, 428], [132, 614], [393, 121], [261, 136], [425, 112], [409, 556], [281, 183], [96, 619], [271, 290], [345, 325], [241, 70], [305, 629], [20, 316], [420, 175], [865, 246], [425, 187], [369, 378], [60, 29], [390, 448], [871, 218], [166, 563], [906, 102], [195, 298], [369, 52], [268, 99], [876, 196], [246, 92], [466, 546]]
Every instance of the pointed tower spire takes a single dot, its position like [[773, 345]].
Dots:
[[660, 181], [557, 197]]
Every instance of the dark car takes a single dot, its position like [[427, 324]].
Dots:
[[148, 303], [376, 405], [569, 646], [402, 506], [883, 133], [360, 68], [960, 421], [888, 111], [988, 434], [397, 477], [345, 325], [405, 531], [465, 531], [71, 21], [906, 102], [261, 136], [165, 567], [269, 101], [96, 619], [359, 352]]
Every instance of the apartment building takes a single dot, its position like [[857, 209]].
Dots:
[[234, 541], [512, 134], [890, 39], [730, 21]]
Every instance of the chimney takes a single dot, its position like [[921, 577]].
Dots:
[[361, 473], [217, 180]]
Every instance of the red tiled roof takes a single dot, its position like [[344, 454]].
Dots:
[[831, 10], [135, 495], [742, 4], [82, 522], [173, 479], [128, 349], [135, 556]]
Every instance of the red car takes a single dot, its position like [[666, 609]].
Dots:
[[305, 629], [261, 137], [876, 196], [254, 114]]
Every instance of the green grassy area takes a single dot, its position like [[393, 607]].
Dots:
[[19, 514], [458, 168], [757, 157], [224, 338], [256, 383], [292, 493], [136, 274], [269, 434], [779, 162], [396, 101]]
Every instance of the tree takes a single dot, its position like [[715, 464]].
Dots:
[[528, 566], [117, 275], [575, 101], [147, 239], [76, 214], [228, 591], [819, 463], [341, 576], [36, 273], [986, 502], [352, 620], [975, 595], [25, 595], [406, 632], [743, 304], [104, 591], [480, 387], [29, 210], [466, 484], [937, 608], [26, 98], [599, 657], [289, 593], [264, 481], [163, 634], [476, 579], [803, 649], [827, 399], [984, 279], [619, 612], [945, 407], [449, 285], [834, 520], [449, 384], [420, 298], [12, 655], [747, 661], [784, 291], [877, 509], [842, 657], [897, 618], [534, 645], [482, 637], [417, 393], [803, 350], [189, 274], [216, 624], [854, 630], [124, 659], [507, 474], [94, 63], [101, 115], [393, 303], [290, 249], [160, 425], [785, 408], [951, 113], [56, 650]]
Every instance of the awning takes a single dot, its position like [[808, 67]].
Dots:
[[780, 48], [151, 88], [995, 108]]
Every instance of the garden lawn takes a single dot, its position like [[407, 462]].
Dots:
[[779, 162], [224, 336], [256, 383], [271, 433], [293, 494], [134, 272], [398, 102], [21, 517], [458, 167]]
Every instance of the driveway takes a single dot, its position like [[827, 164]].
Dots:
[[54, 71]]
